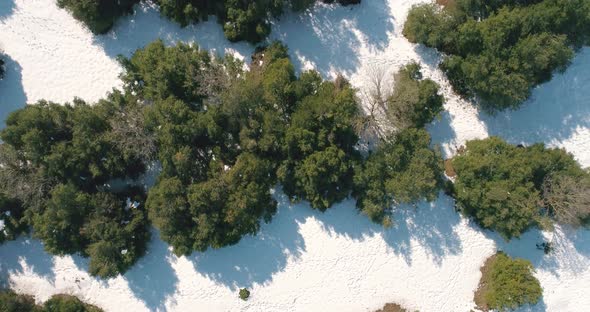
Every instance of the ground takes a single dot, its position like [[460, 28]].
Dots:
[[304, 260]]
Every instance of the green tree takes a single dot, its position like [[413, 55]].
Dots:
[[499, 185], [499, 51], [402, 169], [414, 101], [98, 15], [507, 284]]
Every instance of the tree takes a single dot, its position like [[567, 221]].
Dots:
[[402, 169], [98, 15], [414, 101], [319, 146], [507, 284], [568, 198], [498, 51], [12, 302], [500, 185]]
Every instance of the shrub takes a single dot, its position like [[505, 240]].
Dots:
[[507, 284], [13, 302], [244, 294]]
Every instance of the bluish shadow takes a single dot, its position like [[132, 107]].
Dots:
[[329, 36], [441, 131], [12, 94], [25, 252], [255, 259], [152, 279], [6, 8], [555, 111]]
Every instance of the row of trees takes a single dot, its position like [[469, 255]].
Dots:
[[498, 51], [510, 188], [241, 20], [12, 302]]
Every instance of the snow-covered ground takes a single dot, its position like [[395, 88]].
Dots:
[[303, 260]]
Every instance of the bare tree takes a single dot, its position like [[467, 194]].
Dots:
[[374, 126], [21, 181], [130, 134], [568, 198]]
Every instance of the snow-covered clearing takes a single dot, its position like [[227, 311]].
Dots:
[[303, 260]]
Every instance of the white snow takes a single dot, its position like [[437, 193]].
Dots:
[[303, 260], [2, 225]]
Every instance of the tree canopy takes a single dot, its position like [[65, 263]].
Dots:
[[98, 15], [241, 20], [507, 284], [500, 185], [57, 163], [224, 136], [402, 169], [13, 302], [499, 50]]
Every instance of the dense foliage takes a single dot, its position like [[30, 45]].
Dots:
[[57, 161], [11, 218], [402, 170], [98, 15], [507, 284], [500, 185], [222, 134], [12, 302], [241, 20], [415, 101], [499, 50]]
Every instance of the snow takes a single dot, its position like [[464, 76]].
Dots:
[[2, 225], [303, 260]]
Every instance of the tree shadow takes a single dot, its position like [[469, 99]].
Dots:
[[539, 307], [328, 37], [441, 130], [12, 94], [146, 25], [25, 255], [7, 7], [556, 110], [152, 279], [255, 259]]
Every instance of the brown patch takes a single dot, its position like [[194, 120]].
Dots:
[[445, 2], [392, 307], [478, 297], [449, 170]]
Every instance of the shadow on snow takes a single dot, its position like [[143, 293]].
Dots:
[[12, 94]]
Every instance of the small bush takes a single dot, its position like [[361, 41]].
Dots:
[[507, 284], [244, 294]]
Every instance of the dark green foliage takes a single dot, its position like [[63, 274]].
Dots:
[[507, 284], [402, 169], [499, 184], [222, 133], [219, 147], [499, 50], [244, 294], [98, 15], [320, 153], [13, 302], [11, 218], [414, 101], [57, 161]]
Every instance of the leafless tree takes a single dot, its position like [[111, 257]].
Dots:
[[129, 132], [373, 126], [568, 198], [19, 180]]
